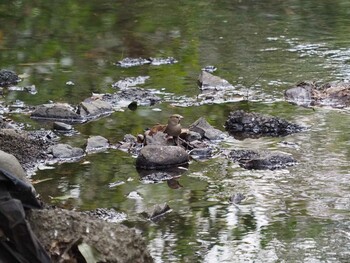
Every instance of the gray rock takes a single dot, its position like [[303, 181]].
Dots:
[[157, 157], [97, 143], [94, 108], [65, 151], [61, 126], [57, 111], [9, 163], [207, 81], [207, 131]]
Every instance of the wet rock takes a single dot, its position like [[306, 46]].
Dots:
[[108, 215], [91, 109], [8, 78], [207, 131], [65, 151], [193, 136], [161, 175], [157, 211], [61, 126], [207, 81], [97, 143], [158, 157], [201, 153], [334, 94], [241, 124], [209, 68], [113, 242], [159, 138], [162, 61], [236, 198], [56, 111], [130, 82], [123, 98], [131, 62], [300, 95], [252, 160]]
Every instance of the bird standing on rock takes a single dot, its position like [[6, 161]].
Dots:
[[174, 127]]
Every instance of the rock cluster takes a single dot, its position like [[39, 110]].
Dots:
[[243, 124]]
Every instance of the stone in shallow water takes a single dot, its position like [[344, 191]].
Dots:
[[157, 157], [8, 78], [243, 124]]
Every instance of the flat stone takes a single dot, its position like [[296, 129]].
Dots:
[[96, 143], [56, 111], [65, 151], [207, 80]]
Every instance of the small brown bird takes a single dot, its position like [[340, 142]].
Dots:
[[174, 127]]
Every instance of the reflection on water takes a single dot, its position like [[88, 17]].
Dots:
[[300, 214]]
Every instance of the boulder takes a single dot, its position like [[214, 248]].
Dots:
[[158, 157], [61, 126], [65, 151]]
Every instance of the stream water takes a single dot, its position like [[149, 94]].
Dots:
[[299, 214]]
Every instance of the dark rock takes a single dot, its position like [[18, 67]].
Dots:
[[113, 242], [207, 80], [8, 78], [193, 136], [252, 160], [334, 94], [207, 131], [242, 125], [161, 175], [158, 157], [57, 111], [97, 143], [65, 151]]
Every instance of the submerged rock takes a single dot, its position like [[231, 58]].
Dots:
[[130, 82], [253, 160], [241, 124], [8, 78], [158, 157], [157, 211], [97, 143], [334, 94], [131, 62]]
